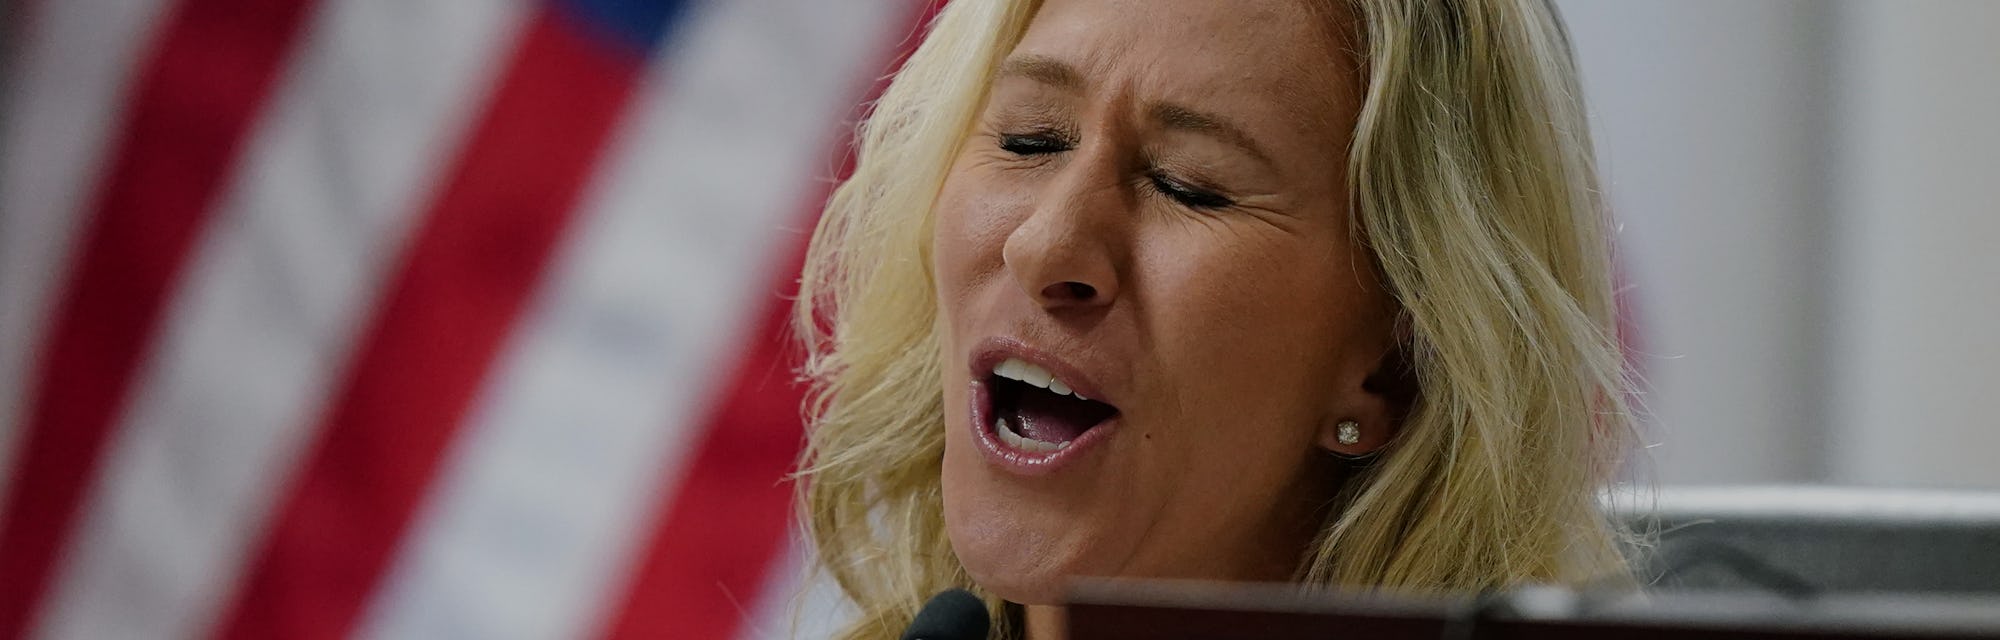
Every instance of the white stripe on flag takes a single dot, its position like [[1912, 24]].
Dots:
[[532, 530], [797, 602], [63, 106], [367, 116]]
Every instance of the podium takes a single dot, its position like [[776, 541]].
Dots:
[[1777, 563], [1116, 610]]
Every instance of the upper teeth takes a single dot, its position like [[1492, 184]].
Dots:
[[1018, 369]]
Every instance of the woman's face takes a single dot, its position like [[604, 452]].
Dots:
[[1150, 211]]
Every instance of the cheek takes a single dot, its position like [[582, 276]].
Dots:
[[970, 235], [1248, 294], [1249, 331], [963, 259], [1260, 315]]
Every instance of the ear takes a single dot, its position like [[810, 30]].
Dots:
[[1378, 405]]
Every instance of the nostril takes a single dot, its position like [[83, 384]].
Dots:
[[1072, 291]]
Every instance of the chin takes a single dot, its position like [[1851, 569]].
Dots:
[[998, 563], [1018, 587], [1013, 543]]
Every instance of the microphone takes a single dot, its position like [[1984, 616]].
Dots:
[[951, 615]]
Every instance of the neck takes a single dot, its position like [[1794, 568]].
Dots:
[[1043, 622]]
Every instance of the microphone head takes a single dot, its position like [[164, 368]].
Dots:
[[951, 615]]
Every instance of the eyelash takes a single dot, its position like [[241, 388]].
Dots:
[[1035, 144]]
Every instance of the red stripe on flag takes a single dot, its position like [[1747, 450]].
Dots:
[[719, 533], [189, 112], [723, 527], [456, 297]]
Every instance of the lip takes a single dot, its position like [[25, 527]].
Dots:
[[991, 352]]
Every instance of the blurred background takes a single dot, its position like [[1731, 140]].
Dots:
[[1810, 223], [462, 318]]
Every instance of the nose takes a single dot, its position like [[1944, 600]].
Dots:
[[1065, 255]]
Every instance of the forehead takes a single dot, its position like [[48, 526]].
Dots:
[[1274, 52]]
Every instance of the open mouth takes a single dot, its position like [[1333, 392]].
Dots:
[[1034, 412]]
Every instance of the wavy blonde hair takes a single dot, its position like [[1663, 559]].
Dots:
[[1474, 185]]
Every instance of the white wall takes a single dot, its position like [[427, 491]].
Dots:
[[1703, 114], [1916, 352], [1807, 189]]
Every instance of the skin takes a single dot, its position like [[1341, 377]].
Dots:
[[1229, 311]]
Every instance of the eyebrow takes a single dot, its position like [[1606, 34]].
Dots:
[[1061, 75], [1043, 69], [1174, 116]]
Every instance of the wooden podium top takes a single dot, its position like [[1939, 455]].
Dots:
[[1113, 610]]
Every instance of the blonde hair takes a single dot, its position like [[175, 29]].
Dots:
[[1474, 185]]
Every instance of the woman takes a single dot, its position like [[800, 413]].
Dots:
[[1259, 290]]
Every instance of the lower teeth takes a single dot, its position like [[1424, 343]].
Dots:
[[1024, 443]]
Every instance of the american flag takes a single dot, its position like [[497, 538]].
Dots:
[[411, 318]]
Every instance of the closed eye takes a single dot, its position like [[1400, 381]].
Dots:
[[1044, 143], [1033, 144], [1186, 194]]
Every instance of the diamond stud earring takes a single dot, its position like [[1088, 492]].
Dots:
[[1347, 432]]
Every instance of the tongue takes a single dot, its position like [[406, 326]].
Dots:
[[1049, 417]]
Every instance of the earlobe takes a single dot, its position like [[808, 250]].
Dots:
[[1350, 438], [1374, 412]]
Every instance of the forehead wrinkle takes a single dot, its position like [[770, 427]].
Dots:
[[1175, 116], [1313, 89], [1043, 69]]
